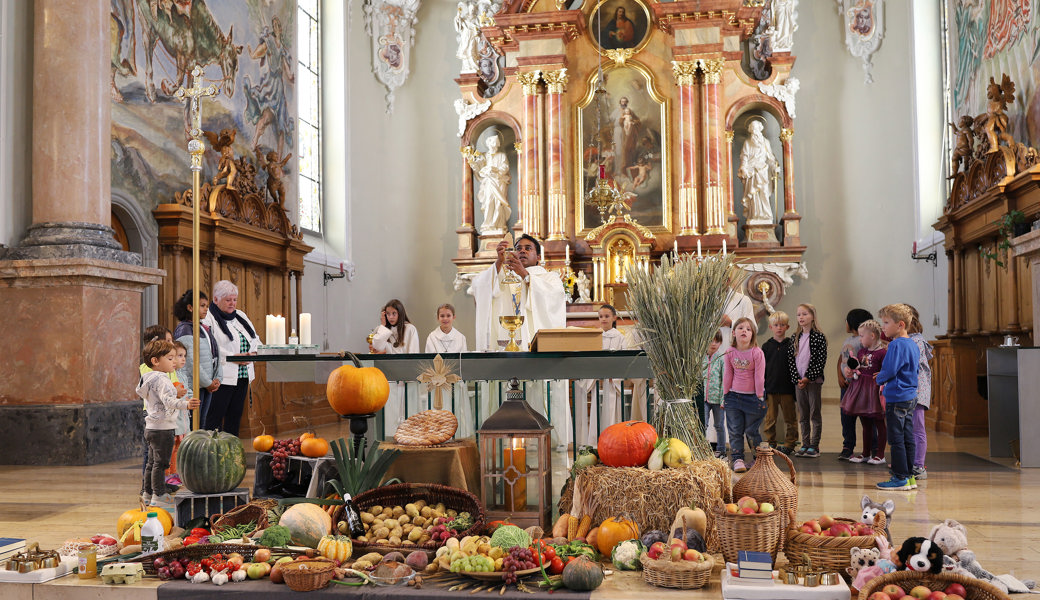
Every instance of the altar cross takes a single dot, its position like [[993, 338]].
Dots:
[[193, 95], [438, 377]]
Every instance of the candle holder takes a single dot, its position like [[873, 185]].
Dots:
[[511, 323]]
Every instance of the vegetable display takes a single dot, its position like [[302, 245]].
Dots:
[[276, 536], [614, 530], [582, 574], [211, 462]]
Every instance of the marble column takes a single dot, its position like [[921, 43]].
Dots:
[[791, 218], [685, 72], [556, 82], [715, 205], [731, 214], [530, 198]]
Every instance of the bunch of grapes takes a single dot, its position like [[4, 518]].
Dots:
[[518, 559], [280, 453]]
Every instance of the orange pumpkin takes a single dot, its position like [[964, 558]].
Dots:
[[614, 530], [627, 444], [306, 436], [314, 447], [357, 391], [263, 443], [127, 519]]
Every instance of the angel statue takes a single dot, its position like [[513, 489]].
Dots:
[[756, 162], [468, 110], [222, 144], [275, 173], [468, 29], [584, 285], [493, 171]]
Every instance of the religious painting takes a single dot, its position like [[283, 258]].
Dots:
[[247, 50], [864, 29], [623, 132], [619, 25]]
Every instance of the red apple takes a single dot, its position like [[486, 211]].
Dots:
[[746, 502], [747, 510], [840, 529], [677, 542], [894, 591], [937, 595], [807, 529], [676, 553], [692, 555], [815, 525], [954, 597], [879, 596], [920, 592], [657, 549], [956, 589], [826, 521]]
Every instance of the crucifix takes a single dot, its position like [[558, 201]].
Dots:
[[438, 377], [193, 95]]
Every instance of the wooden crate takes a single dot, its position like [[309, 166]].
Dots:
[[569, 339], [189, 505]]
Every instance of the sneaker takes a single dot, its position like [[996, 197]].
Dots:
[[812, 453], [894, 484], [174, 479], [858, 458], [913, 482], [787, 451], [876, 460], [146, 498], [845, 455], [172, 489], [164, 501], [801, 451], [920, 473], [720, 454], [738, 466]]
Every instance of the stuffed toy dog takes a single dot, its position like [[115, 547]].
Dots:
[[952, 537], [871, 508], [920, 554]]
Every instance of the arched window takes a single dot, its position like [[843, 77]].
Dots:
[[308, 86]]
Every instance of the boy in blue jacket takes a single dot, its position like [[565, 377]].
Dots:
[[899, 376]]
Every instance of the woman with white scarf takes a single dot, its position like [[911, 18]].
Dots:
[[234, 334]]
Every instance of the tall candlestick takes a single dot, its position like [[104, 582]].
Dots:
[[305, 329], [698, 248]]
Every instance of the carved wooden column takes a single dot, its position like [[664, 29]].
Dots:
[[791, 219], [530, 200], [684, 72], [958, 299], [714, 209], [556, 82]]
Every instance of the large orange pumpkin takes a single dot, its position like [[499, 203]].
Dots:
[[614, 530], [627, 444], [314, 447], [352, 390], [127, 519]]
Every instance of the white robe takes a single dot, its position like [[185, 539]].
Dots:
[[595, 418], [447, 344], [633, 341], [383, 341]]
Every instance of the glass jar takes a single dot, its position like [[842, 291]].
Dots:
[[88, 562]]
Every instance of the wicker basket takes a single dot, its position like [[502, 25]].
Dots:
[[755, 532], [197, 552], [908, 580], [683, 575], [828, 553], [765, 480], [405, 493], [308, 575], [244, 513]]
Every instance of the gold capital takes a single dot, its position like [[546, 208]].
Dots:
[[712, 69], [529, 79], [555, 81], [620, 55], [684, 71], [519, 146], [729, 136], [786, 134]]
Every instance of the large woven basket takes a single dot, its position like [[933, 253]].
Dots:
[[683, 575], [197, 552], [755, 532], [828, 553], [765, 480], [308, 575], [405, 493], [240, 515], [908, 580]]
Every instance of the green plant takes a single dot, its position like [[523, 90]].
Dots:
[[1005, 229], [359, 473]]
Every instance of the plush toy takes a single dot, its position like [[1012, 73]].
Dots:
[[861, 558], [871, 508], [920, 554], [882, 565], [952, 537]]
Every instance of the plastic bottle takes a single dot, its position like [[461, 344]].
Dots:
[[152, 535]]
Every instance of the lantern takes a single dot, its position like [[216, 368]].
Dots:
[[515, 468]]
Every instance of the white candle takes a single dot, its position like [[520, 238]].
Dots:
[[543, 255], [724, 246], [568, 249], [269, 330], [698, 248], [305, 329], [279, 328], [675, 248]]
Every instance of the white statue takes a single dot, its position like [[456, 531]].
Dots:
[[783, 92], [756, 162], [468, 110], [584, 285], [468, 29], [493, 171], [785, 23]]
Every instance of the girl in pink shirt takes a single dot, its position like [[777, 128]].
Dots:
[[743, 388]]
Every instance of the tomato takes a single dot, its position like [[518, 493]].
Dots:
[[549, 553], [556, 566], [206, 564], [569, 559], [218, 566], [199, 532], [217, 556]]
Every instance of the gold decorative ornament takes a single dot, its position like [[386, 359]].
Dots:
[[518, 146], [729, 136], [786, 135], [712, 68], [555, 81], [684, 71], [529, 79], [438, 376], [595, 233], [620, 55]]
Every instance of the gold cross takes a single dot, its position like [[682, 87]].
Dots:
[[439, 376], [193, 96]]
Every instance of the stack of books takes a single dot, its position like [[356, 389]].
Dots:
[[10, 546], [754, 565]]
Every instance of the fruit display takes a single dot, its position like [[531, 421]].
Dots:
[[414, 524], [675, 550], [828, 526], [954, 591], [749, 506], [211, 462]]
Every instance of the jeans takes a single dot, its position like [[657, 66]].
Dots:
[[716, 412], [920, 437], [899, 417], [225, 407], [784, 403], [744, 414], [160, 447], [848, 431], [809, 417]]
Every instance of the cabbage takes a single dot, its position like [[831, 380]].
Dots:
[[626, 555], [507, 536]]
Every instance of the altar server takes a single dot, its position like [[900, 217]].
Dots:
[[446, 340], [597, 416], [395, 335]]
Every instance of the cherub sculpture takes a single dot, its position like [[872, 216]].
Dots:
[[222, 144], [964, 133], [994, 124], [275, 173]]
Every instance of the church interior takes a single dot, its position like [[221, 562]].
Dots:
[[843, 154]]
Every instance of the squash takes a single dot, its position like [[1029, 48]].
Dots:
[[263, 443], [352, 390], [691, 518], [582, 575], [211, 462], [336, 547], [306, 436], [627, 444], [614, 530], [314, 447], [127, 520], [307, 524]]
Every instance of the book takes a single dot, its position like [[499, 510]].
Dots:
[[8, 544], [760, 561], [754, 574]]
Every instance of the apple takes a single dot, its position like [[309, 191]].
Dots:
[[806, 528], [657, 549], [747, 510], [920, 592], [879, 596], [937, 595], [826, 521], [815, 525], [732, 508], [954, 597], [894, 591], [766, 508], [256, 570], [956, 589], [839, 529], [692, 555], [748, 501], [677, 542], [676, 553]]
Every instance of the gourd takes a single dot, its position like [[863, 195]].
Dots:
[[127, 520], [627, 444], [211, 462], [263, 443], [693, 518], [307, 524], [582, 575], [314, 447], [353, 390], [335, 547], [614, 530]]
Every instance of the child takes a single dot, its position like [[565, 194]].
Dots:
[[924, 394], [863, 398], [713, 403], [150, 334], [597, 416], [849, 348], [743, 388], [183, 417], [899, 376], [395, 335], [779, 388], [161, 399], [448, 340], [806, 360]]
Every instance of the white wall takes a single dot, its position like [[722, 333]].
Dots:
[[16, 25]]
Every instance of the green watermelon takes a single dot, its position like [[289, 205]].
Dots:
[[211, 462]]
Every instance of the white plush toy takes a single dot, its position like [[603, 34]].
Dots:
[[952, 537]]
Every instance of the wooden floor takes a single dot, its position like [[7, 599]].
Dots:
[[998, 503]]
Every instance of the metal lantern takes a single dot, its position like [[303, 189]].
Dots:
[[515, 466]]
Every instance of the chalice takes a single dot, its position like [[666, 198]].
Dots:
[[511, 323]]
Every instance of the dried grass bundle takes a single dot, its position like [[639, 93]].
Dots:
[[651, 498], [678, 308]]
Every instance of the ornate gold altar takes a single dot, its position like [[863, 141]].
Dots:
[[653, 100]]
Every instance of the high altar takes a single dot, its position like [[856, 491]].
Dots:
[[674, 106]]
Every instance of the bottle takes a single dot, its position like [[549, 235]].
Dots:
[[88, 562], [294, 340], [152, 535], [353, 517]]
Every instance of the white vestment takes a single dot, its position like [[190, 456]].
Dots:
[[639, 412], [383, 341], [456, 399], [593, 419]]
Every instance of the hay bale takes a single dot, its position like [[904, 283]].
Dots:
[[651, 498]]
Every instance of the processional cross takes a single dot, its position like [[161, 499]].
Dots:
[[193, 96]]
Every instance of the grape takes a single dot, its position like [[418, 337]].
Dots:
[[280, 453]]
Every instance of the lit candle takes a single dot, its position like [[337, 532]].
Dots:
[[305, 329], [698, 248], [514, 462], [269, 330], [568, 249], [724, 246]]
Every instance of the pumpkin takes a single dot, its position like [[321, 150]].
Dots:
[[353, 390], [582, 575], [263, 443], [127, 520], [306, 435], [627, 444], [211, 462], [614, 530], [336, 547], [307, 524], [314, 447]]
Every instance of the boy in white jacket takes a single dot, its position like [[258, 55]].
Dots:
[[160, 422]]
